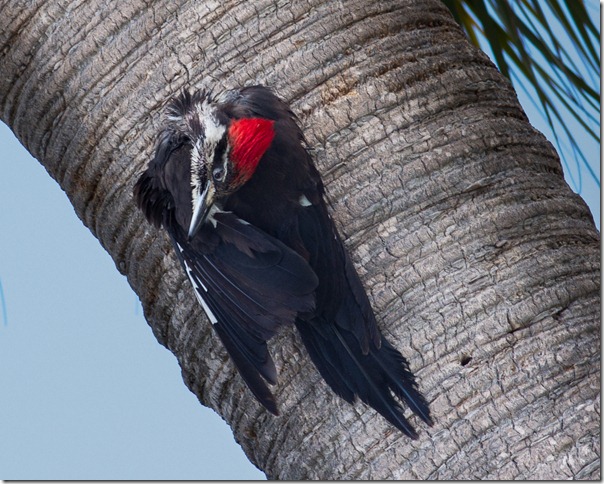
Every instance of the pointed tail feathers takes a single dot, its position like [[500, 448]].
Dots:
[[373, 377], [249, 371]]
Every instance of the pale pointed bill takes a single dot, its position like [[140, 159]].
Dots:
[[201, 205]]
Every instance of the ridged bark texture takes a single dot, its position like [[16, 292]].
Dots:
[[482, 265]]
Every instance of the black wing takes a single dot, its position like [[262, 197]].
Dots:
[[250, 285], [341, 335]]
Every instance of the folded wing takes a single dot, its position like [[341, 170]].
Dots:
[[250, 285]]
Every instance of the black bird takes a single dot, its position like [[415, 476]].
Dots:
[[236, 189]]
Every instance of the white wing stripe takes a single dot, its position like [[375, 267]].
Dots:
[[196, 283]]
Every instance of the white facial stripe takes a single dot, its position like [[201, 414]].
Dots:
[[213, 134], [225, 163], [213, 131], [196, 169]]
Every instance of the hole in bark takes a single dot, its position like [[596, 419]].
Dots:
[[465, 359]]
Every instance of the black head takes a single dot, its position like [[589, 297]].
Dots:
[[204, 155]]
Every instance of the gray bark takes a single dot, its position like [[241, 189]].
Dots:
[[481, 263]]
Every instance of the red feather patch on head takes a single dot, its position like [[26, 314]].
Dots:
[[249, 139]]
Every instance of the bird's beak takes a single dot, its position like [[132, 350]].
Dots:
[[201, 209]]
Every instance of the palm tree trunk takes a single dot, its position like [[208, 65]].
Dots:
[[481, 264]]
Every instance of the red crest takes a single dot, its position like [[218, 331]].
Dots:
[[249, 139]]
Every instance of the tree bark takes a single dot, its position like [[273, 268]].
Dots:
[[481, 263]]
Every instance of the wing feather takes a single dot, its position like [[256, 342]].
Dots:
[[250, 285]]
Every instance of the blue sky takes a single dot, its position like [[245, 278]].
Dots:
[[88, 393], [575, 174]]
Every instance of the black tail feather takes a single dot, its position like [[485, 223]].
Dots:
[[326, 360], [402, 381], [374, 377], [248, 372]]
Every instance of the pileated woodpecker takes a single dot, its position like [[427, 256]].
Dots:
[[234, 186]]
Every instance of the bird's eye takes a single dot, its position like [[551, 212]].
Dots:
[[218, 174]]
